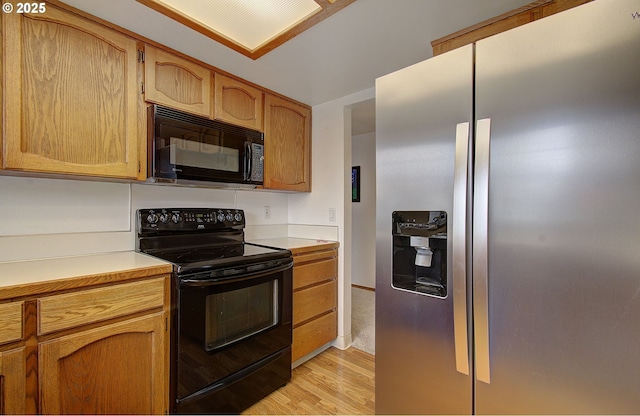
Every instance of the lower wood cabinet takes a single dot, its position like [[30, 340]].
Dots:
[[100, 350], [13, 375], [112, 369], [12, 360], [315, 317]]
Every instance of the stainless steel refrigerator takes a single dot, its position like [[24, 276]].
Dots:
[[508, 222]]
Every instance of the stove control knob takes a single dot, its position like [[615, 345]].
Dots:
[[221, 216], [164, 218], [238, 216], [229, 216], [175, 217], [152, 218]]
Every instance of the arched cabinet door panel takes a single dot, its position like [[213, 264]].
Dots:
[[177, 83], [113, 369], [287, 142], [72, 100], [237, 103]]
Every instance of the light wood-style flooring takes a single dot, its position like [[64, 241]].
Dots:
[[333, 382]]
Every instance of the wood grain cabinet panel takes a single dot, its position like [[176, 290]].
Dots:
[[11, 322], [314, 301], [312, 273], [313, 335], [71, 96], [13, 377], [238, 103], [93, 305], [287, 145], [113, 369], [176, 82]]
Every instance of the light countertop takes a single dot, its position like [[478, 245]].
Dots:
[[295, 244], [24, 278]]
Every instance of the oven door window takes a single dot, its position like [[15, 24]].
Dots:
[[237, 314]]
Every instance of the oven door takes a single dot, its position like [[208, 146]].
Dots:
[[228, 330]]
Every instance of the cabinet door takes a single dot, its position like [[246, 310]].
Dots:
[[237, 103], [113, 369], [71, 96], [177, 82], [287, 145], [13, 378]]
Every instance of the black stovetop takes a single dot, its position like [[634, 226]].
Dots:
[[199, 240]]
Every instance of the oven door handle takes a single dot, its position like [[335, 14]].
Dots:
[[237, 278]]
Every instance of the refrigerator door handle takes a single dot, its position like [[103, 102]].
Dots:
[[459, 231], [480, 251]]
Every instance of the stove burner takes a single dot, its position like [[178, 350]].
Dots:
[[201, 254]]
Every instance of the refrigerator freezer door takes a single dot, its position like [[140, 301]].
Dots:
[[418, 110], [563, 96]]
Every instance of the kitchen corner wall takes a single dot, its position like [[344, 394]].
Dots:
[[363, 213], [41, 218], [331, 188]]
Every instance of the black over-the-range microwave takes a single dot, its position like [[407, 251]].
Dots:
[[193, 150]]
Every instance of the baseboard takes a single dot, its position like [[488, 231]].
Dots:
[[309, 356], [372, 289]]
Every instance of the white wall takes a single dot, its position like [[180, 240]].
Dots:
[[42, 218], [331, 187], [363, 246]]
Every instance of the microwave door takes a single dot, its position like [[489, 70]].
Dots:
[[195, 153]]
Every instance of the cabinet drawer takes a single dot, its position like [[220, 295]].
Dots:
[[10, 322], [314, 256], [313, 301], [310, 273], [83, 307], [313, 335]]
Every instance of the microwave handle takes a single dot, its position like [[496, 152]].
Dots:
[[248, 158]]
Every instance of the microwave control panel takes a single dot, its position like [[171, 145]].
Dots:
[[257, 162]]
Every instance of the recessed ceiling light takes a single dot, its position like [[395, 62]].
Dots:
[[252, 27]]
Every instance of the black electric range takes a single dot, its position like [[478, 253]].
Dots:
[[231, 319]]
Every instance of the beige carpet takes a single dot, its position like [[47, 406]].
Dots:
[[363, 311]]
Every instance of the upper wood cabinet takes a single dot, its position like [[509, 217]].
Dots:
[[176, 82], [71, 97], [237, 103], [287, 145], [514, 18]]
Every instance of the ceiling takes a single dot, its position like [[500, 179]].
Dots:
[[339, 56]]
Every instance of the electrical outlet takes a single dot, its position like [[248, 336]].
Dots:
[[332, 214], [267, 212]]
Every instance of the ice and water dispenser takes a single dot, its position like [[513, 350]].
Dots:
[[420, 251]]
